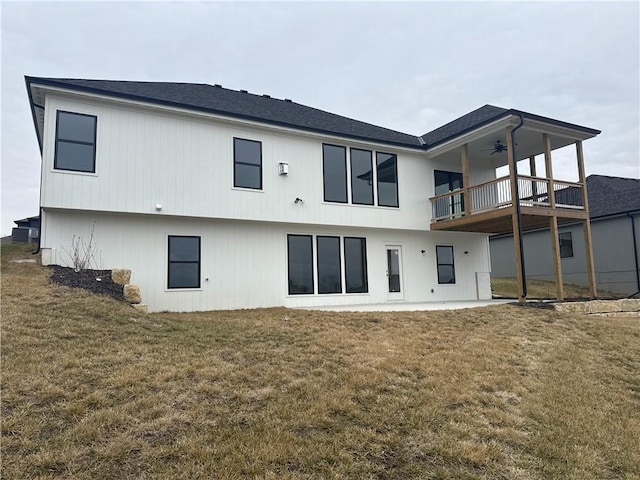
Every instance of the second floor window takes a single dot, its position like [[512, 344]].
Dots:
[[75, 142], [247, 163], [358, 167], [334, 170]]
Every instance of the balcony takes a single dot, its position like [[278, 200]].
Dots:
[[488, 207]]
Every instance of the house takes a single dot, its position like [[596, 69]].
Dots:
[[223, 199], [614, 208], [26, 230]]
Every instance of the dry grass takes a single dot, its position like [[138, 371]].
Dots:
[[542, 289], [93, 389]]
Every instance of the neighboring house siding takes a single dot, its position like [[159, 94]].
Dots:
[[185, 163], [246, 262], [612, 250]]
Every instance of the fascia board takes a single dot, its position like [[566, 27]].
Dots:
[[230, 119], [559, 130]]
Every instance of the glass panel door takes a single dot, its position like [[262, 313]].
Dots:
[[394, 272]]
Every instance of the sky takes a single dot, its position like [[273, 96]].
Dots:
[[408, 66]]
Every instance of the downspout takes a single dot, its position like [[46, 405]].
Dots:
[[635, 252], [37, 250], [518, 214]]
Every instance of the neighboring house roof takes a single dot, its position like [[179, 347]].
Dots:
[[239, 104], [485, 115], [27, 221], [612, 195]]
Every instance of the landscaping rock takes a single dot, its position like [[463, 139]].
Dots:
[[141, 307], [121, 276], [132, 294]]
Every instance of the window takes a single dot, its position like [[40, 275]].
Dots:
[[329, 266], [184, 262], [334, 168], [355, 265], [446, 182], [329, 271], [386, 167], [446, 269], [361, 177], [300, 254], [75, 142], [247, 163], [566, 245]]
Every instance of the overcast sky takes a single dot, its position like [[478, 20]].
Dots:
[[407, 66]]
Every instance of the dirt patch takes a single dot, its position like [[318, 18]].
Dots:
[[96, 281]]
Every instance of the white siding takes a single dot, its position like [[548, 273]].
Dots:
[[245, 262], [185, 163]]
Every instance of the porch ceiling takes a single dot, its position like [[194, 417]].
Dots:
[[481, 143]]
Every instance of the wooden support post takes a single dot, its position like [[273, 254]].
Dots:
[[557, 264], [515, 221], [465, 180], [534, 184], [548, 168], [586, 224]]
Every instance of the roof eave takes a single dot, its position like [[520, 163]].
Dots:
[[141, 98], [512, 115]]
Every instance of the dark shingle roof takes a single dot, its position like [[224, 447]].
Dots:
[[612, 195], [238, 104], [467, 122]]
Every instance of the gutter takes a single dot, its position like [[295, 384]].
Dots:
[[518, 213]]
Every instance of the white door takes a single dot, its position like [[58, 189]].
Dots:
[[394, 272]]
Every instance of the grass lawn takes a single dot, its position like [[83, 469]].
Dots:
[[91, 388]]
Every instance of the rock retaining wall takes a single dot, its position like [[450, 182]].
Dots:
[[600, 307]]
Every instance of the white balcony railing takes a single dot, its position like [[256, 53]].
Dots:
[[496, 194]]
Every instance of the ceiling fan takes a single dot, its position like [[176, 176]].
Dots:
[[498, 147]]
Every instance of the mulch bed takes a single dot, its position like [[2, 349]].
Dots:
[[96, 281]]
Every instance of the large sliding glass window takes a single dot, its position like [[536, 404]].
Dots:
[[329, 271], [247, 163], [387, 171], [446, 182], [334, 169], [300, 255], [184, 262], [75, 142], [361, 177], [446, 268], [330, 254], [355, 264]]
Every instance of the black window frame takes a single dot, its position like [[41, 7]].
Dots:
[[324, 174], [170, 262], [59, 140], [321, 290], [365, 270], [353, 200], [313, 283], [452, 264], [566, 250], [456, 202], [246, 164], [378, 176]]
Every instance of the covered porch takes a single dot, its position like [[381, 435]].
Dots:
[[472, 199]]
